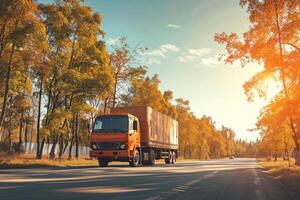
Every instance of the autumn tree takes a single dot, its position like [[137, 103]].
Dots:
[[18, 20], [277, 137], [273, 42], [124, 64], [79, 68], [21, 27]]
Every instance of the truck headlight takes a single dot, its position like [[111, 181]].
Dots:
[[94, 146], [123, 146]]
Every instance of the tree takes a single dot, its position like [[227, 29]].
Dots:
[[277, 138], [122, 61], [21, 27], [18, 20], [79, 67], [272, 41]]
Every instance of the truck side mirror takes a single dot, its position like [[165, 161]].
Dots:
[[135, 125]]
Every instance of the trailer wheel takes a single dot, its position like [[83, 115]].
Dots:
[[174, 156], [136, 159], [102, 162], [152, 157]]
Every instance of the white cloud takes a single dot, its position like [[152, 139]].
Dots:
[[210, 61], [200, 52], [155, 56], [163, 50], [113, 41], [181, 59], [152, 61], [156, 52], [190, 57], [175, 26], [194, 54]]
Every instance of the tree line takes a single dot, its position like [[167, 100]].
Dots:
[[273, 42], [57, 73]]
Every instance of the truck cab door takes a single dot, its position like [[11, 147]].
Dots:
[[134, 136]]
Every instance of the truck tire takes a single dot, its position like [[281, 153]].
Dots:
[[135, 159], [152, 157], [169, 159], [174, 156], [102, 162]]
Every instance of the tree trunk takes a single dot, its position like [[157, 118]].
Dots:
[[61, 147], [7, 86], [2, 45], [72, 138], [89, 131], [297, 157], [105, 105], [9, 137], [275, 156], [115, 91], [39, 120], [76, 136], [30, 140], [20, 134], [40, 156], [52, 152], [70, 148], [26, 136], [65, 148]]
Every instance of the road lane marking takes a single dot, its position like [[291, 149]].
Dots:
[[103, 189], [74, 177], [258, 186], [154, 198], [182, 188]]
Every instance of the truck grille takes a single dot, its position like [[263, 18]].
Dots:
[[109, 145]]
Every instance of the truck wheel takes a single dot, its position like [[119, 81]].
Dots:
[[136, 159], [174, 156], [102, 162], [152, 157], [169, 159]]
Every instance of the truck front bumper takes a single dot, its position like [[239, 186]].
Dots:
[[110, 153]]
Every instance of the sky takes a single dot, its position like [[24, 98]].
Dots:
[[179, 36]]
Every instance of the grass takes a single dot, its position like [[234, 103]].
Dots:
[[13, 161], [29, 161], [288, 175]]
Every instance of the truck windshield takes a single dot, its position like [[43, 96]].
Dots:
[[105, 124]]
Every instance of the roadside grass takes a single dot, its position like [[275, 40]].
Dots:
[[15, 161], [288, 175], [9, 161]]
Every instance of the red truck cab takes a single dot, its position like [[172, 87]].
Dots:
[[136, 134], [116, 136]]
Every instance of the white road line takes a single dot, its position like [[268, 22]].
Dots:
[[182, 188], [258, 186]]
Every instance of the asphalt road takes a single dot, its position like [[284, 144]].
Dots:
[[239, 179]]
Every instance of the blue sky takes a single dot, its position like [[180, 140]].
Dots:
[[179, 35]]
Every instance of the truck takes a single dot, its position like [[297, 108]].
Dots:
[[139, 135]]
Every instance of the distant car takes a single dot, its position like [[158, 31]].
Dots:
[[231, 157]]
